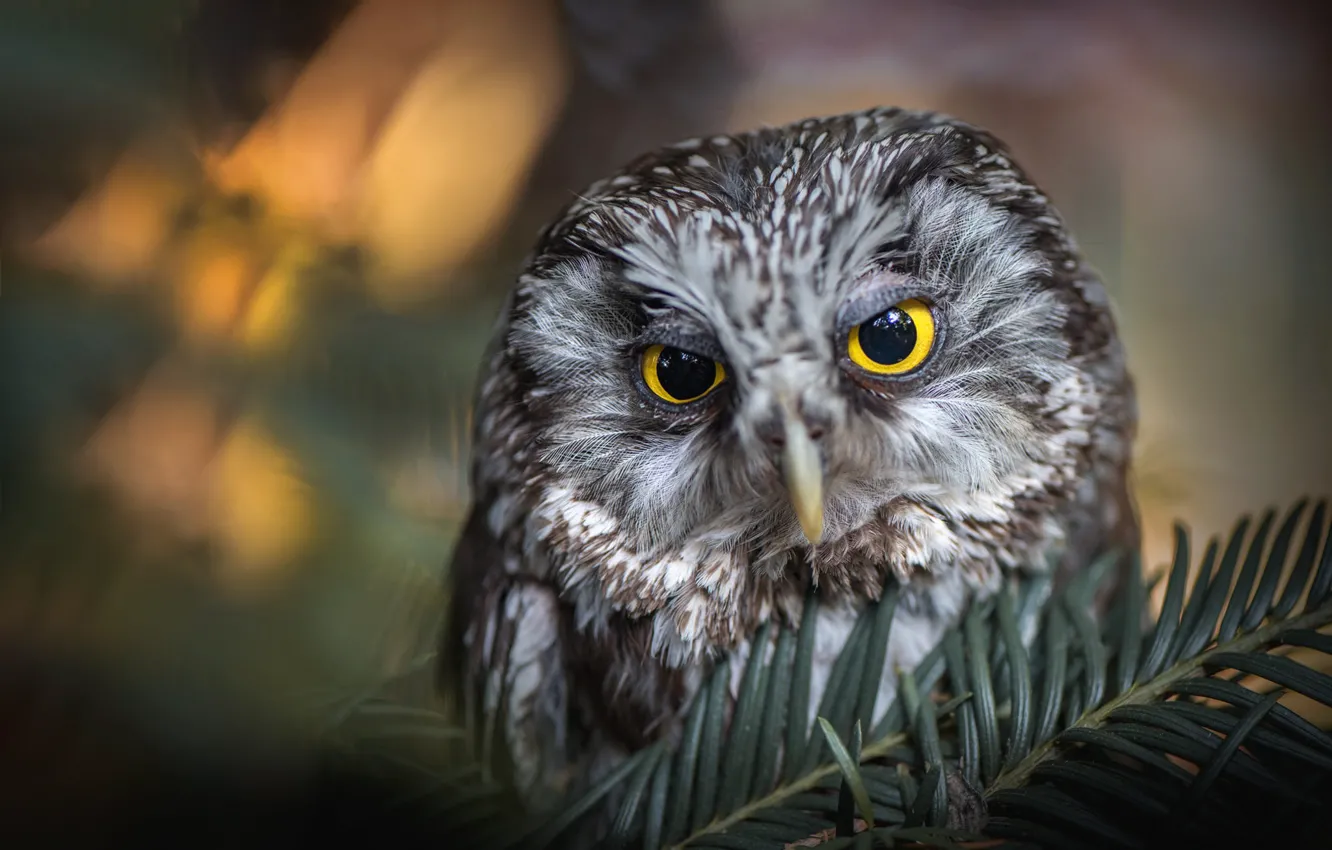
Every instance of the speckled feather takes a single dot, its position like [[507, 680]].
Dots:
[[616, 547]]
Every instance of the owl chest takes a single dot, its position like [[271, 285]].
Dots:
[[635, 699]]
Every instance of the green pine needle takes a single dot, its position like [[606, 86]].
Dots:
[[1076, 736]]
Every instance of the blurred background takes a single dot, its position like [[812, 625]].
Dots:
[[250, 251]]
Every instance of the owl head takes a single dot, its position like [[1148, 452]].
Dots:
[[843, 339]]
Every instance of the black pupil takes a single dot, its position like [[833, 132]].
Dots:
[[889, 337], [685, 375]]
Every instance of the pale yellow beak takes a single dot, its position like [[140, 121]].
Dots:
[[804, 478]]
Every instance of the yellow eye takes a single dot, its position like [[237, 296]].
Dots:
[[895, 341], [678, 376]]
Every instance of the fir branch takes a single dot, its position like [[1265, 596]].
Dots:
[[1024, 726]]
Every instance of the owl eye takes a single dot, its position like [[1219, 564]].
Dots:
[[678, 376], [895, 341]]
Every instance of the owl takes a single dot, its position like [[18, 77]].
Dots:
[[844, 354]]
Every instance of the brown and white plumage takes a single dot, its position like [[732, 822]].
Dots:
[[620, 542]]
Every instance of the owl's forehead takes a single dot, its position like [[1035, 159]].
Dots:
[[792, 178], [765, 229]]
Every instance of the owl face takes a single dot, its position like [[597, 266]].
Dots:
[[749, 346]]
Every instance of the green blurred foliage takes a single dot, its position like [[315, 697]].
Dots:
[[141, 690]]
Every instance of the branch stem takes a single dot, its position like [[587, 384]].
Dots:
[[1153, 689]]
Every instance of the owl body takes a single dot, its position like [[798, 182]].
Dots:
[[844, 353]]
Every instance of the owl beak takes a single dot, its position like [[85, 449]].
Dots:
[[803, 468]]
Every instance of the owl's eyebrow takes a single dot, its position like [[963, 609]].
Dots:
[[881, 276], [655, 303], [665, 303], [894, 248], [670, 324], [661, 314], [879, 290], [684, 336]]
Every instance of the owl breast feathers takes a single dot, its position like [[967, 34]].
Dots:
[[843, 352]]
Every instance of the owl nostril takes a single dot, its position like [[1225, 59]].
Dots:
[[776, 437], [773, 431]]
